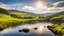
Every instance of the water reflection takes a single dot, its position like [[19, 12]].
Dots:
[[42, 30]]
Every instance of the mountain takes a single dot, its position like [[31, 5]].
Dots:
[[14, 11], [46, 14], [3, 11], [33, 14]]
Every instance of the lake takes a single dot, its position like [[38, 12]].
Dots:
[[42, 30]]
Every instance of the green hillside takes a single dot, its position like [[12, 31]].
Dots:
[[58, 15], [13, 18], [20, 15], [4, 15]]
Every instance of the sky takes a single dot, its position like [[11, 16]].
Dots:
[[33, 6]]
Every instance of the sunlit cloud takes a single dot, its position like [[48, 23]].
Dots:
[[28, 8], [46, 8]]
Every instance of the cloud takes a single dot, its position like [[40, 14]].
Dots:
[[28, 8], [47, 8], [4, 6], [59, 4], [55, 7]]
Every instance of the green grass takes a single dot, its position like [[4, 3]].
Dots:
[[57, 15], [20, 14], [58, 27], [60, 16], [7, 18]]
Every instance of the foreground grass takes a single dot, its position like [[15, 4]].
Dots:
[[57, 29]]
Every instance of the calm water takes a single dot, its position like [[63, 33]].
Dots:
[[41, 31]]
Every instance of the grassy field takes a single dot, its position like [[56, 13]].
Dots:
[[20, 14]]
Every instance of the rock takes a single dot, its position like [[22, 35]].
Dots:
[[63, 28], [25, 30], [48, 27], [1, 29], [35, 28]]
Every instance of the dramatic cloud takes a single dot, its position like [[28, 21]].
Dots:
[[59, 4], [46, 8], [4, 6]]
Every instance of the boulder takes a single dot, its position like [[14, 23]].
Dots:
[[25, 30]]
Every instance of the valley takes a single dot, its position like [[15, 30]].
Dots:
[[15, 18]]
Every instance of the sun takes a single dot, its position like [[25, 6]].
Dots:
[[38, 4]]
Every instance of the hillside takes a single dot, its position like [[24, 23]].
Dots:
[[13, 18], [32, 14], [20, 15], [3, 11], [5, 18], [4, 15], [58, 15]]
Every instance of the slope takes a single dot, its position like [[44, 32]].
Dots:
[[57, 15]]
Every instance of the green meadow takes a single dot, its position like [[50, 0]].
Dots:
[[9, 18]]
